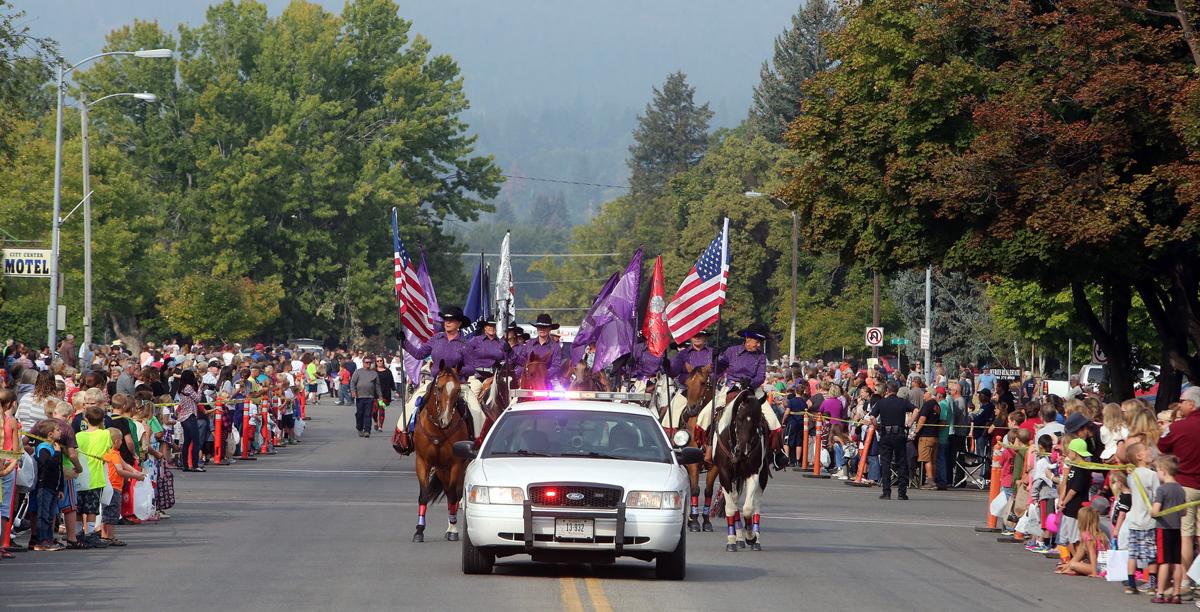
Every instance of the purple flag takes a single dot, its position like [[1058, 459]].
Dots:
[[588, 328], [412, 366], [615, 336]]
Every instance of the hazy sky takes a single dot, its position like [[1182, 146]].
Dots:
[[536, 53]]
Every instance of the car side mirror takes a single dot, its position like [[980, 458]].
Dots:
[[465, 449], [688, 455]]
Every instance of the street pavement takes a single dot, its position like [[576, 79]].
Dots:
[[327, 525]]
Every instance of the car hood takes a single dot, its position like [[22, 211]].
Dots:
[[630, 475]]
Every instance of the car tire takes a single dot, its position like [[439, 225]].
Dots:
[[673, 565], [475, 561]]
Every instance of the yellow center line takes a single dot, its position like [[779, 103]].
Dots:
[[570, 595], [596, 592]]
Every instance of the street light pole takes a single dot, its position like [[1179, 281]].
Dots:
[[56, 222], [84, 105], [795, 249]]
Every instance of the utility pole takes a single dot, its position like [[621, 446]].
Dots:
[[792, 336], [52, 312], [87, 223], [928, 325], [875, 309]]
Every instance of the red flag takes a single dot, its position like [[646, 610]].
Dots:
[[655, 327]]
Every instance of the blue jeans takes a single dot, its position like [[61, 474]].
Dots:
[[873, 468], [344, 394], [944, 465], [839, 456], [47, 511]]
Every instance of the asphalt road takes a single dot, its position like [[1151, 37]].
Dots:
[[327, 524]]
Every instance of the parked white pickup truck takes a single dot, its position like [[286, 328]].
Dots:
[[1090, 377]]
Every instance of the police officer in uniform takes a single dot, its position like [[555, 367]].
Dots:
[[892, 415]]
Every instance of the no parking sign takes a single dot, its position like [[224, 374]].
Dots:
[[874, 336]]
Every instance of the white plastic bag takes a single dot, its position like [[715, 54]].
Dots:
[[1118, 565], [83, 481], [1194, 571], [107, 494], [996, 508], [298, 428], [1028, 523], [143, 499], [235, 438], [26, 471]]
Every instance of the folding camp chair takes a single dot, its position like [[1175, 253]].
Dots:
[[973, 468]]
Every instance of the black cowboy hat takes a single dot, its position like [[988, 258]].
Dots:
[[543, 320], [758, 331], [454, 313], [490, 320]]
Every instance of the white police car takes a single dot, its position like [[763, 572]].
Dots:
[[572, 479]]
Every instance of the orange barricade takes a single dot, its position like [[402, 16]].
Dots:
[[817, 446], [804, 448], [218, 435], [862, 456], [247, 432], [993, 491]]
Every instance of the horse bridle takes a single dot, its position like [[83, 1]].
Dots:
[[456, 422]]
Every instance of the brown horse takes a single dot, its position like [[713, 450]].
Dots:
[[699, 393], [587, 380], [535, 373], [439, 472]]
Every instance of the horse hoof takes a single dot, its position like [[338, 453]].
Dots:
[[755, 546], [741, 544], [731, 548], [693, 526], [451, 537], [418, 537], [707, 526]]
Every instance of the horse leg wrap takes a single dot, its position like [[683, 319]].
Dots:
[[695, 504], [737, 518], [707, 503], [421, 515], [755, 524], [732, 529], [452, 513]]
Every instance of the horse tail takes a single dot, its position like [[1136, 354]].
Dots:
[[434, 490]]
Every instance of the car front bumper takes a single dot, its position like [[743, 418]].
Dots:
[[513, 529]]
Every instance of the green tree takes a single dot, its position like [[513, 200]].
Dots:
[[800, 52], [281, 144], [220, 308], [671, 136], [24, 69], [963, 331]]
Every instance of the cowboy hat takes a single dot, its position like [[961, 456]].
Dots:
[[454, 313], [758, 331], [543, 320]]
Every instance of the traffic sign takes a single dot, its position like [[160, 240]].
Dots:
[[1098, 355], [874, 336], [898, 341], [924, 338]]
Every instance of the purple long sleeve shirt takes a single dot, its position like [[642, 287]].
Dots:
[[442, 350], [550, 352], [737, 364], [483, 353], [689, 356], [642, 363]]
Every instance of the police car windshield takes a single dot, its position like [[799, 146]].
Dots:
[[578, 433]]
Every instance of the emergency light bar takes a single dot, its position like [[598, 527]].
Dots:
[[612, 396]]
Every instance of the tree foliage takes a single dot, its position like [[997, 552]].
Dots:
[[671, 136], [800, 52], [204, 307], [277, 149]]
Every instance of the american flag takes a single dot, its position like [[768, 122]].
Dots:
[[414, 304], [698, 301]]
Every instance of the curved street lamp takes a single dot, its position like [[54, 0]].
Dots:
[[795, 232], [84, 105], [63, 71]]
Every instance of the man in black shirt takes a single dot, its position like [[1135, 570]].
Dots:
[[892, 415]]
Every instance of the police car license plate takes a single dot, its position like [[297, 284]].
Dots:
[[573, 528]]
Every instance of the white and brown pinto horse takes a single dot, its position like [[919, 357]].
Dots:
[[744, 463]]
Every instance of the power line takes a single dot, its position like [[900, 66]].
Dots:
[[554, 282], [564, 182], [537, 255], [546, 309]]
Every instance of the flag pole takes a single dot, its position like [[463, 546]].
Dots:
[[715, 356]]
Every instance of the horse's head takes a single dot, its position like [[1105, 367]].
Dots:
[[746, 426], [699, 389], [587, 380], [535, 373], [446, 391]]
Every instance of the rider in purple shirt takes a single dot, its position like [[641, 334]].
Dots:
[[484, 350], [546, 348], [697, 355], [449, 348], [738, 364], [642, 364]]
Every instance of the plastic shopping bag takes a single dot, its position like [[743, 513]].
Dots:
[[143, 499], [1194, 571], [107, 494], [235, 437], [83, 481], [298, 428], [996, 508], [1028, 524], [26, 471], [1118, 564]]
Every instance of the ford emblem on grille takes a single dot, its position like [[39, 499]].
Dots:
[[574, 496]]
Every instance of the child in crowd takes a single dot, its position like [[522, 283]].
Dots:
[[1113, 432], [1079, 480], [9, 442], [1123, 502], [47, 488], [94, 443], [60, 413], [1092, 541], [1143, 486], [1043, 491], [118, 471], [1167, 527]]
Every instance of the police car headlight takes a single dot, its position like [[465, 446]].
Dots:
[[496, 495], [659, 500], [681, 438]]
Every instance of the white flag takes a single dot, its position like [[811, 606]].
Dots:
[[506, 299]]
